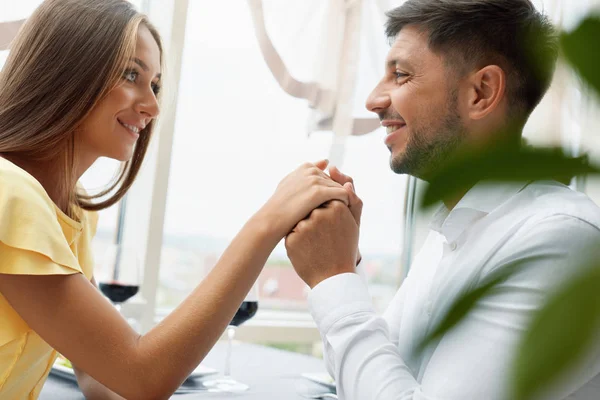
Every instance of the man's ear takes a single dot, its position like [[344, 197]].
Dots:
[[487, 88]]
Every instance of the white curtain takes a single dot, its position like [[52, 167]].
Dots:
[[330, 53]]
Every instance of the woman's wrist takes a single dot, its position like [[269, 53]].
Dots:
[[267, 225]]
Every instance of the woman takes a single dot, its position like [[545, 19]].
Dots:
[[82, 82]]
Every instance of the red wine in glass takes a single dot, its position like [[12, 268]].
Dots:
[[118, 292], [246, 311], [119, 274]]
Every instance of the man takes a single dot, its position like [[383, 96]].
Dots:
[[457, 73]]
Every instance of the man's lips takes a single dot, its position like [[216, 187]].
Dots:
[[393, 131]]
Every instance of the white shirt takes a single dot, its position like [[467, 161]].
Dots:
[[546, 225]]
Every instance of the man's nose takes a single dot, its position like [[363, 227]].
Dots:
[[378, 100]]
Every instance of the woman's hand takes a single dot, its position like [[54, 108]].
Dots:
[[300, 192]]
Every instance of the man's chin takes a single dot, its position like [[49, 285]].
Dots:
[[398, 164], [402, 166]]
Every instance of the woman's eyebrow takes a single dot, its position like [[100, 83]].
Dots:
[[144, 66]]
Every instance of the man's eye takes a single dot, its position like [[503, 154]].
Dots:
[[131, 75], [400, 75]]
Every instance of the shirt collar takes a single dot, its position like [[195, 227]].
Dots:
[[478, 202]]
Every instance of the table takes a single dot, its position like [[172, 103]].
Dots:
[[271, 374]]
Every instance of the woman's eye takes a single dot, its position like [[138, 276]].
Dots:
[[131, 76], [156, 88]]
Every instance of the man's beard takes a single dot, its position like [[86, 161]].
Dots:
[[426, 154]]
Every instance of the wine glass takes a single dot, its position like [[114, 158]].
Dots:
[[246, 311], [119, 274]]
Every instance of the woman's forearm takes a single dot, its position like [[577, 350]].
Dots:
[[184, 337], [152, 366], [92, 389]]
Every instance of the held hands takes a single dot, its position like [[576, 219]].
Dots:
[[300, 192], [355, 203], [326, 243]]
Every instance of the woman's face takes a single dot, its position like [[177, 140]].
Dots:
[[114, 125]]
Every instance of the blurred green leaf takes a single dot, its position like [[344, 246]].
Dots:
[[581, 48], [461, 307], [526, 164], [558, 336]]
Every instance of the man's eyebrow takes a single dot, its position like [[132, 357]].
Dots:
[[144, 66], [393, 63]]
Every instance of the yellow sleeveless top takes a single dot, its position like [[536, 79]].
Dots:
[[36, 238]]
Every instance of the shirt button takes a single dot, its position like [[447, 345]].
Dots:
[[453, 246]]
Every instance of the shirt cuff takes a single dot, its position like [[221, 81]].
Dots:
[[338, 297]]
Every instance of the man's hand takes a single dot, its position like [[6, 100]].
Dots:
[[355, 203], [325, 244]]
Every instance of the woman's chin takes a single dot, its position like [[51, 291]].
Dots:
[[124, 155]]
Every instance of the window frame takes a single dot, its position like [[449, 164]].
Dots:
[[144, 219]]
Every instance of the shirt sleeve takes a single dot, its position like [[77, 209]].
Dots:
[[472, 361], [328, 356], [85, 254], [31, 239]]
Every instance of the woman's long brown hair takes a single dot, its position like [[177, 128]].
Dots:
[[66, 58]]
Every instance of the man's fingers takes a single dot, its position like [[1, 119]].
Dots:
[[331, 203], [350, 188], [289, 241], [355, 203], [338, 176], [351, 193]]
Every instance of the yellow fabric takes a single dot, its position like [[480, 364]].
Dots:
[[36, 238]]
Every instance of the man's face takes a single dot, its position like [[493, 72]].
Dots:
[[417, 102]]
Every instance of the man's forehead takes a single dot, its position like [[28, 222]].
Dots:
[[409, 46]]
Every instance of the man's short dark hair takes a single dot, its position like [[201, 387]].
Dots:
[[471, 34]]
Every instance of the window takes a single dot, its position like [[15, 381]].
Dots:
[[237, 135], [3, 55], [14, 12], [19, 10], [95, 179]]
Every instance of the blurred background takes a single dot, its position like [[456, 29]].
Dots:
[[252, 90]]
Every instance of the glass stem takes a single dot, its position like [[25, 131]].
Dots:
[[230, 336], [118, 306]]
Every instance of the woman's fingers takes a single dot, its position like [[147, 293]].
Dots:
[[322, 164], [335, 193], [338, 176]]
